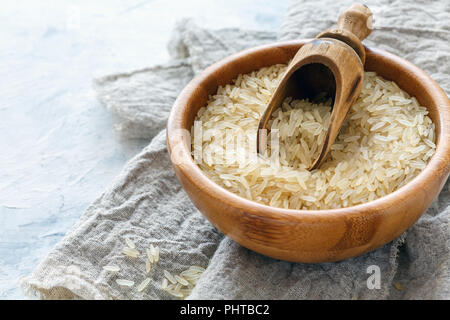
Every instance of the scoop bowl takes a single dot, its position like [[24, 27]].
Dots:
[[309, 236]]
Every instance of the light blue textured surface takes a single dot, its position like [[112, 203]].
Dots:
[[58, 147]]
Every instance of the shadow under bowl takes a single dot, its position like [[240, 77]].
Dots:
[[309, 236]]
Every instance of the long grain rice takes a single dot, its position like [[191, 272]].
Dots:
[[182, 284], [156, 256], [181, 280], [386, 140], [147, 266], [164, 284], [144, 284], [130, 252], [124, 282], [111, 268], [130, 243], [149, 255], [170, 277]]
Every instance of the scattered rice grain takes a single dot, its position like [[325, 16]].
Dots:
[[130, 243], [111, 268], [130, 252], [143, 285], [170, 277], [124, 282]]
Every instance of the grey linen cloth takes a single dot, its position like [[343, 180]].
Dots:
[[147, 204]]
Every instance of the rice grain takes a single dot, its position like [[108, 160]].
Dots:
[[111, 268], [143, 285], [124, 282], [386, 140]]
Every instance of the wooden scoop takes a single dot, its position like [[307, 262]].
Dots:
[[330, 66]]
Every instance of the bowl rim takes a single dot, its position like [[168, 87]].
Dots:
[[439, 163]]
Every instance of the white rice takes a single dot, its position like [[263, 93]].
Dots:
[[147, 266], [156, 256], [386, 141], [152, 250], [144, 284], [130, 243], [130, 252], [182, 284], [153, 253], [170, 277], [111, 268], [125, 282], [149, 255], [181, 280], [164, 284]]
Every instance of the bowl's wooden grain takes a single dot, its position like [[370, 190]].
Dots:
[[316, 235]]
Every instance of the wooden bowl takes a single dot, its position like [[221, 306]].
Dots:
[[309, 235]]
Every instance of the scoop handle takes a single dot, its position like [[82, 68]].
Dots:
[[357, 19]]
